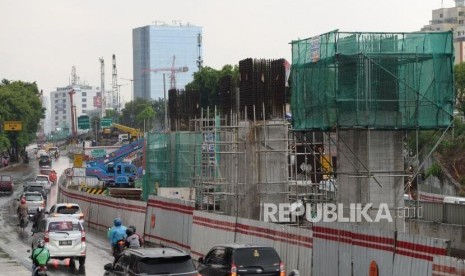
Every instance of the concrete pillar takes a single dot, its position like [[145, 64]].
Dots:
[[370, 168]]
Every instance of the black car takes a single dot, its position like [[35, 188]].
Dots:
[[152, 261], [241, 259]]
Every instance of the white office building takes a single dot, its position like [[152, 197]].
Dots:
[[86, 99], [446, 19]]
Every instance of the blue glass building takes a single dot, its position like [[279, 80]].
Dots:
[[154, 47]]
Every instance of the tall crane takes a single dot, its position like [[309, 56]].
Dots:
[[173, 71]]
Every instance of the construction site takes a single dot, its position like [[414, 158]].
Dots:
[[333, 130]]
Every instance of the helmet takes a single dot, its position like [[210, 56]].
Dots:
[[40, 243], [23, 200], [129, 231], [117, 222], [132, 227]]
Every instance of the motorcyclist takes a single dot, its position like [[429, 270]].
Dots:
[[117, 233], [56, 154], [22, 209], [40, 256], [132, 241], [141, 240], [38, 216]]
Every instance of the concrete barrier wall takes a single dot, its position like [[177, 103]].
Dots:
[[352, 248], [448, 266], [414, 254], [344, 249], [169, 222], [293, 244], [210, 229], [327, 249], [454, 233], [100, 211]]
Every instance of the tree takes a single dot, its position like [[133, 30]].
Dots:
[[207, 79], [19, 101], [459, 76], [131, 110], [146, 117], [159, 108]]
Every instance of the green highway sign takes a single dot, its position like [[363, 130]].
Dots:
[[98, 153], [83, 122], [106, 122]]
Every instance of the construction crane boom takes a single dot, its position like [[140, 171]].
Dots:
[[173, 71]]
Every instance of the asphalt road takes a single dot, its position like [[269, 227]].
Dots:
[[14, 243]]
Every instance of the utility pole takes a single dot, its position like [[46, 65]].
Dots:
[[166, 102], [199, 45], [102, 86], [73, 123], [114, 97]]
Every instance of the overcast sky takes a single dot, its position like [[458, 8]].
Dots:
[[42, 39]]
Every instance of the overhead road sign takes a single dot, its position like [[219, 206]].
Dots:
[[106, 122]]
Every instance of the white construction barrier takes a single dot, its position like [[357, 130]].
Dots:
[[169, 222], [100, 211], [448, 266], [414, 254], [293, 244]]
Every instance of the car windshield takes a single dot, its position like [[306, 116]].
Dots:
[[57, 226], [6, 178], [33, 198], [44, 157], [35, 189], [68, 210], [247, 257], [41, 178], [171, 265]]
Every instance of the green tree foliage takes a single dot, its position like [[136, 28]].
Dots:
[[19, 101], [113, 114], [146, 117], [159, 108], [459, 76], [131, 110], [207, 79]]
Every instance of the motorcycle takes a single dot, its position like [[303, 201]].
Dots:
[[119, 248], [23, 222], [40, 270]]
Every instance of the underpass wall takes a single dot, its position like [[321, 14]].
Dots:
[[100, 211], [169, 222], [327, 249], [293, 244]]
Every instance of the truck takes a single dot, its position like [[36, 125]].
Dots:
[[124, 172], [113, 167], [120, 131]]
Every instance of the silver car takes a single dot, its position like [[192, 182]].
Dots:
[[34, 200], [64, 237]]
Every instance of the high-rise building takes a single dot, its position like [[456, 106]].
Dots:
[[447, 19], [173, 50], [86, 99]]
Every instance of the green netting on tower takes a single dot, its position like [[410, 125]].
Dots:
[[158, 160], [373, 80], [172, 160]]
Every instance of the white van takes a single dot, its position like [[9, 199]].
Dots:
[[454, 200]]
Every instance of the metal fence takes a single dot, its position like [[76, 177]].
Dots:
[[449, 213]]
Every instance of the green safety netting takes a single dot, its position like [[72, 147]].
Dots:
[[373, 80], [172, 160]]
